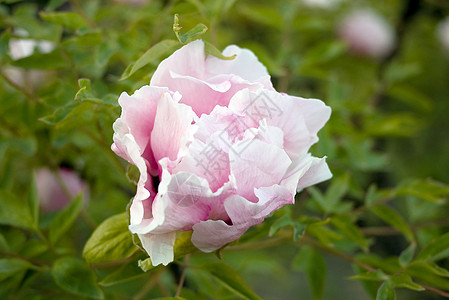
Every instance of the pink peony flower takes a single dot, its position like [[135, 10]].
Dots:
[[52, 195], [367, 33], [225, 147]]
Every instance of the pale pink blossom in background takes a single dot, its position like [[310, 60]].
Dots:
[[443, 33], [52, 197], [367, 33], [321, 3], [227, 149], [24, 47]]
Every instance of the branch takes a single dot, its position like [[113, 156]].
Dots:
[[20, 88]]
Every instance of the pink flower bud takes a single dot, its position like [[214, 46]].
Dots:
[[55, 194], [367, 34]]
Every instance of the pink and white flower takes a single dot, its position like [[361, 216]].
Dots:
[[218, 149], [56, 193], [367, 34]]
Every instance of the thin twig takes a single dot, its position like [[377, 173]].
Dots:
[[151, 283], [436, 291], [21, 89], [31, 260], [79, 9], [312, 242], [183, 275]]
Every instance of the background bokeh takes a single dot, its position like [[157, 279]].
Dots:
[[382, 66]]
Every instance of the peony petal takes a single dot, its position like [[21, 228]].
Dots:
[[211, 235], [255, 164], [186, 71], [318, 172], [183, 200], [159, 247], [188, 61], [300, 119], [137, 118], [172, 128], [126, 145], [245, 65]]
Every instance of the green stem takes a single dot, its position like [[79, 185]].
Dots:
[[307, 240], [79, 9], [31, 260], [183, 275], [151, 283]]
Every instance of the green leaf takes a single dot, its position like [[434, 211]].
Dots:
[[67, 19], [127, 272], [323, 234], [398, 124], [405, 281], [282, 222], [435, 248], [372, 195], [53, 4], [85, 91], [407, 255], [412, 97], [212, 50], [65, 219], [33, 202], [74, 276], [170, 298], [370, 276], [394, 219], [73, 115], [3, 243], [11, 266], [146, 264], [347, 227], [132, 174], [15, 212], [193, 33], [312, 262], [335, 193], [423, 267], [370, 285], [429, 190], [4, 42], [42, 61], [111, 241], [230, 279], [152, 54], [265, 15], [183, 244], [190, 35], [324, 52], [386, 292]]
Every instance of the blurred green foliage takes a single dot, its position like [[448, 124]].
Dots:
[[384, 213]]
